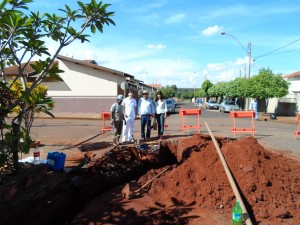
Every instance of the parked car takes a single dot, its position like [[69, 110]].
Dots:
[[170, 105], [211, 104], [227, 106], [174, 102]]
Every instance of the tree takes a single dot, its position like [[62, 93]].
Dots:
[[236, 88], [218, 90], [186, 94], [205, 86], [200, 93], [22, 34], [36, 102], [169, 91], [267, 85]]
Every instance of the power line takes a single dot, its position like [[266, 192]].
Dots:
[[276, 49]]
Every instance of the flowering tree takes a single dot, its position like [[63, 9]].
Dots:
[[22, 35]]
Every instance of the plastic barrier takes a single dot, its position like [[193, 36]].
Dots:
[[166, 125], [242, 114], [297, 132], [105, 116], [190, 112]]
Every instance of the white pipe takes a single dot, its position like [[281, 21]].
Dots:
[[230, 178]]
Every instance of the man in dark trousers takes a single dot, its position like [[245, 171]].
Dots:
[[146, 111], [117, 118]]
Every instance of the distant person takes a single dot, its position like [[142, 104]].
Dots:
[[146, 111], [130, 113], [161, 113], [254, 107], [200, 102], [117, 118]]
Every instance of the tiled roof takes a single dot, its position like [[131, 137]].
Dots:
[[296, 74], [155, 85], [13, 70]]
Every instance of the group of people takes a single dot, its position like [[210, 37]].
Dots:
[[198, 102], [125, 111]]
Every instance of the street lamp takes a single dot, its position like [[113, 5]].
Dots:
[[248, 52]]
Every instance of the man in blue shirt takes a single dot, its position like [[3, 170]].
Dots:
[[146, 111]]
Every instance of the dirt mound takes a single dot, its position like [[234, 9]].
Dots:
[[269, 182], [194, 191]]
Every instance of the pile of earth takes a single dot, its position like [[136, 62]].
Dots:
[[196, 190]]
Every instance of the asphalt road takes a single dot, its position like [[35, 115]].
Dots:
[[59, 133]]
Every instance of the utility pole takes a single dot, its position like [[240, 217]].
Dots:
[[194, 84], [249, 59]]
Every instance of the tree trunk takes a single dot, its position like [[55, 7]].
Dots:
[[16, 127]]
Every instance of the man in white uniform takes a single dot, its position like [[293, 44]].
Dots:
[[130, 113]]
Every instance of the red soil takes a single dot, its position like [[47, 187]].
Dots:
[[197, 191]]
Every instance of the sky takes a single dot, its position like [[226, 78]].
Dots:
[[179, 41]]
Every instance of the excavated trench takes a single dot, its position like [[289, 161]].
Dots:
[[59, 203], [269, 183]]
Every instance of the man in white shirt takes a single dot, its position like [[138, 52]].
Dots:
[[130, 113], [254, 107], [146, 111]]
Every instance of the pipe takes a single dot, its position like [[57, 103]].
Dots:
[[230, 178]]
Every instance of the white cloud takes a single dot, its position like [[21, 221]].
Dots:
[[241, 61], [211, 30], [175, 18], [145, 65], [158, 46], [215, 66]]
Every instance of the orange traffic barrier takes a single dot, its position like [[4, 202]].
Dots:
[[190, 112], [297, 132], [242, 114], [105, 116], [166, 125]]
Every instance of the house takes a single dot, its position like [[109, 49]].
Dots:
[[288, 105], [86, 86], [156, 86]]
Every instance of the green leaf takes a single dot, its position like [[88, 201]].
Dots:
[[93, 29]]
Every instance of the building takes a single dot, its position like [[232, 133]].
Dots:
[[86, 86], [288, 105], [155, 86]]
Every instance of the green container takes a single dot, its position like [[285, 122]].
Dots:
[[237, 214]]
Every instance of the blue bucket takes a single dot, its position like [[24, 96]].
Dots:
[[143, 147], [56, 160]]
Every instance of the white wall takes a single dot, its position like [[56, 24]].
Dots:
[[86, 81], [272, 104], [294, 85]]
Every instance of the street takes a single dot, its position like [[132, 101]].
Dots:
[[56, 134]]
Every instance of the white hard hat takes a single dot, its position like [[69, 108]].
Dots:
[[120, 97]]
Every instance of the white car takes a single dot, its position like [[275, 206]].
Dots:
[[227, 106], [211, 104]]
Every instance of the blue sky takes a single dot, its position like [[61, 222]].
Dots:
[[179, 41]]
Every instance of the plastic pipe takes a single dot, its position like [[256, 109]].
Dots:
[[230, 178]]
